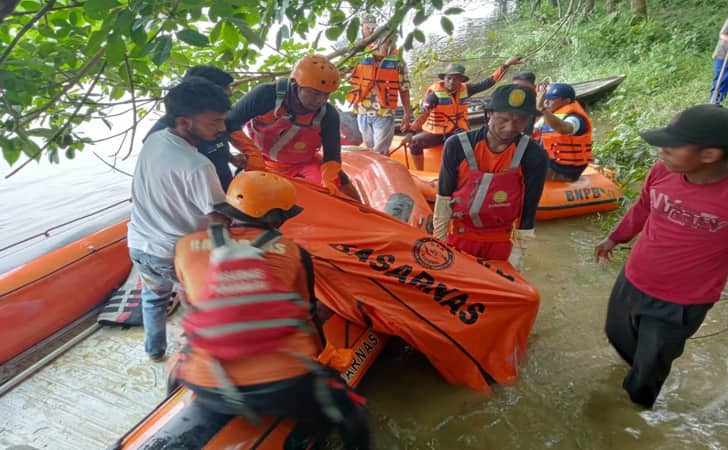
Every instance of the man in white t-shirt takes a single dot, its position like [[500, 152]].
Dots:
[[173, 194]]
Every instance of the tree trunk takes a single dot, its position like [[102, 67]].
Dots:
[[639, 8], [589, 6], [611, 6], [502, 6]]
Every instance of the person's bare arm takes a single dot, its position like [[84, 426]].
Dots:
[[723, 35], [404, 95], [560, 126]]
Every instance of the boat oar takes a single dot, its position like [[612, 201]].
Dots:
[[719, 81]]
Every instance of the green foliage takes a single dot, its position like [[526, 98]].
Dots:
[[70, 62], [667, 60]]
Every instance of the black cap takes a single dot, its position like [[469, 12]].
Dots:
[[525, 75], [702, 125], [514, 98]]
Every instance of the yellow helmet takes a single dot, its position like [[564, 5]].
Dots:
[[316, 72]]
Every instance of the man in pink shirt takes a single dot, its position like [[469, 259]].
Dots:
[[679, 265]]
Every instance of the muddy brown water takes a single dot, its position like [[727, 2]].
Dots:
[[568, 394]]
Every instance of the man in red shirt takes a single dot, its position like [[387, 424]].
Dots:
[[679, 265]]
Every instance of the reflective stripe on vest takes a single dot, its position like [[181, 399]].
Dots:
[[450, 113], [232, 328], [487, 177], [244, 311], [566, 149], [384, 77], [274, 132], [237, 301]]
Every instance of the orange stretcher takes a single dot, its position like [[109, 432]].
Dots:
[[385, 185], [470, 317]]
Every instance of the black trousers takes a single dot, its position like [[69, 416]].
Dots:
[[309, 398], [649, 334], [425, 139]]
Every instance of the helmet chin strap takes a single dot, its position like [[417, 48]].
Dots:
[[296, 106]]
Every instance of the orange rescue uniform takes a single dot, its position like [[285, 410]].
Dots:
[[488, 162], [286, 263]]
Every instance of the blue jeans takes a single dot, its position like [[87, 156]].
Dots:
[[158, 280], [377, 132], [723, 85]]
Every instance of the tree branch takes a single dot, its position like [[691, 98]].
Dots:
[[33, 114], [360, 45], [133, 106], [113, 166], [120, 113], [59, 8], [560, 25], [25, 29], [108, 138], [62, 129], [121, 144], [111, 104]]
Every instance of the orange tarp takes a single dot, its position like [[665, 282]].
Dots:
[[470, 318]]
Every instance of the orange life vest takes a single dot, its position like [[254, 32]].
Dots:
[[283, 137], [243, 310], [490, 200], [384, 77], [283, 257], [451, 112], [566, 149]]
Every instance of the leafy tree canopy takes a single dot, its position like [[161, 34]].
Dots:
[[68, 62]]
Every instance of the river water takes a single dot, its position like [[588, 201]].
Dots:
[[43, 196], [568, 394]]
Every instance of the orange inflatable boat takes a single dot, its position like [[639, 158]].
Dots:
[[386, 186], [178, 422], [401, 153], [592, 192], [381, 276], [45, 295]]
